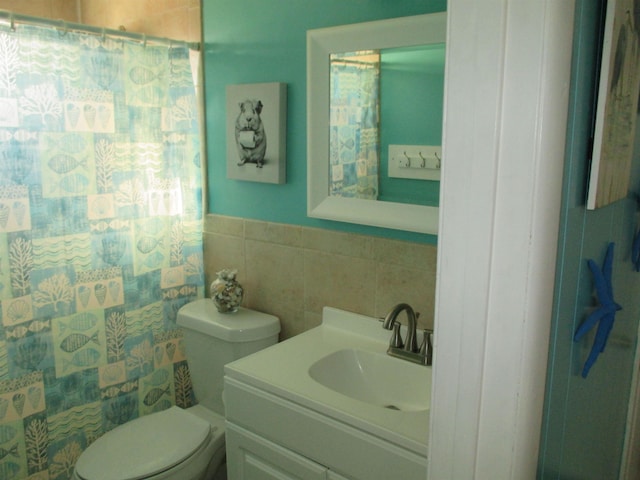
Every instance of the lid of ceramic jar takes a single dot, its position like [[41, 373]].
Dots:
[[242, 326], [143, 447]]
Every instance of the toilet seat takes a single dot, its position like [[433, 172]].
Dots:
[[144, 447]]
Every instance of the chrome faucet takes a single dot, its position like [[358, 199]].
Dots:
[[410, 344], [408, 349]]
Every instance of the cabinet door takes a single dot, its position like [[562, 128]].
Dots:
[[250, 457]]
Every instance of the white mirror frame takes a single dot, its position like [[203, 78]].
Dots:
[[390, 33]]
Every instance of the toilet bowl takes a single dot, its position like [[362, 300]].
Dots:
[[169, 445], [183, 444]]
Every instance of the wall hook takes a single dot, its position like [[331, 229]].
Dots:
[[438, 164], [423, 164]]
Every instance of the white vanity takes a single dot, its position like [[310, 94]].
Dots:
[[328, 404]]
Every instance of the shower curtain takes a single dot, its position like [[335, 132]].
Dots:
[[100, 239], [354, 130]]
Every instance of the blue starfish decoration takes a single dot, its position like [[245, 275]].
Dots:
[[605, 314]]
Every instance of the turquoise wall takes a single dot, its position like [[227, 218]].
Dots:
[[584, 419], [407, 122], [254, 41]]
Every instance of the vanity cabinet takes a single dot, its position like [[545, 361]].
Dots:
[[269, 437], [250, 457], [286, 421]]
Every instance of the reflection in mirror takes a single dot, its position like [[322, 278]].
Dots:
[[411, 106], [404, 89], [354, 109], [377, 86]]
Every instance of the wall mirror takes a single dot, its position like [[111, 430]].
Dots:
[[357, 63]]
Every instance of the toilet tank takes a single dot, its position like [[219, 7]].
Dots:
[[213, 339]]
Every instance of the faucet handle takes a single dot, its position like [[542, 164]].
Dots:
[[426, 341], [426, 347], [396, 338]]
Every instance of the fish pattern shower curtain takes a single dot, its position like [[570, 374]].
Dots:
[[354, 124], [100, 239]]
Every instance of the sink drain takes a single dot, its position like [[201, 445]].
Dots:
[[391, 407]]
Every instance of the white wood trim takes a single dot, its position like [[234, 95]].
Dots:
[[600, 108], [508, 71], [630, 464]]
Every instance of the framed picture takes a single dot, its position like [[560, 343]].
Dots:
[[256, 132], [617, 105]]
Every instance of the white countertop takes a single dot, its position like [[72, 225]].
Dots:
[[283, 371]]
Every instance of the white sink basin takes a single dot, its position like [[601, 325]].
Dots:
[[341, 371], [374, 378]]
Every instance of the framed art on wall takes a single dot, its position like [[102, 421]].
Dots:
[[256, 132], [617, 105]]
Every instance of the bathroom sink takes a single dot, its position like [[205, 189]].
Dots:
[[341, 371], [374, 378]]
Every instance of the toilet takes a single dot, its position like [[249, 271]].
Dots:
[[184, 444]]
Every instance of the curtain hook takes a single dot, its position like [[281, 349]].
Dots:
[[104, 34], [64, 27], [12, 21], [144, 40]]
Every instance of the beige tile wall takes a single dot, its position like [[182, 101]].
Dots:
[[62, 9], [292, 271], [177, 19]]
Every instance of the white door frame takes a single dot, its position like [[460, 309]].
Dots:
[[506, 101], [630, 465]]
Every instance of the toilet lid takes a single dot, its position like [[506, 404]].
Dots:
[[144, 447]]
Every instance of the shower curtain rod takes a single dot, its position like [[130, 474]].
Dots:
[[12, 18]]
